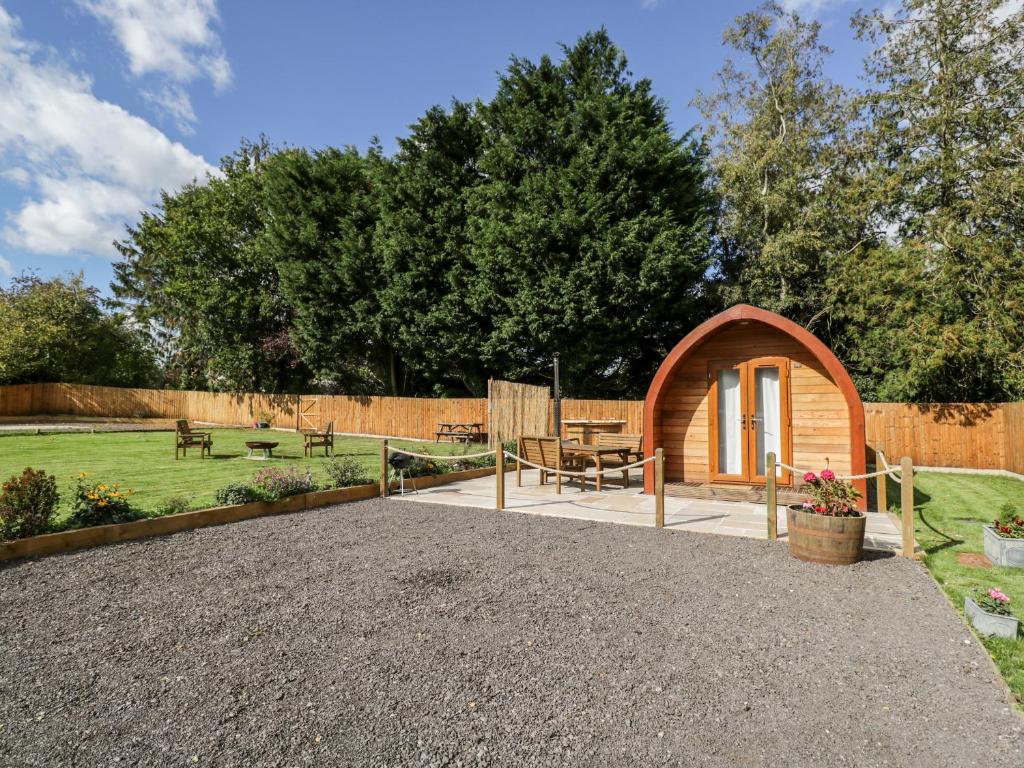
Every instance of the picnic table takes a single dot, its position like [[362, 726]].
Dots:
[[459, 431], [594, 453]]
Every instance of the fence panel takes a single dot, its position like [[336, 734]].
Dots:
[[516, 409], [970, 435]]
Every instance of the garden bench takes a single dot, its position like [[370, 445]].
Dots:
[[546, 452], [185, 437], [319, 439]]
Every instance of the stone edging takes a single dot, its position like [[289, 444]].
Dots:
[[82, 538]]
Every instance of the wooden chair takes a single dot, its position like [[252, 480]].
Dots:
[[185, 438], [546, 452], [634, 444], [323, 439]]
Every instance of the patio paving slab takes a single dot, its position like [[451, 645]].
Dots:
[[630, 506], [390, 633]]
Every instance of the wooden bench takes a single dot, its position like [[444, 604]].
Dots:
[[633, 451], [185, 438], [319, 439], [546, 452]]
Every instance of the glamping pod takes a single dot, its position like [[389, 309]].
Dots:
[[742, 384]]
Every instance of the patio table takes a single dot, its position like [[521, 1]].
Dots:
[[467, 432], [594, 453]]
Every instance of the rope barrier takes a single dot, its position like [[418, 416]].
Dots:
[[569, 473], [889, 468], [439, 457], [887, 471]]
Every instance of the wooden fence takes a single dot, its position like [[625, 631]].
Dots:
[[968, 435]]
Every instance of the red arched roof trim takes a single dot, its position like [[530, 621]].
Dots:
[[741, 313]]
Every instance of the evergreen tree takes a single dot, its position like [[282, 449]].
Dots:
[[590, 235], [944, 154]]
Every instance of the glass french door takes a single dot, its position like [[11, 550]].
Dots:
[[749, 417]]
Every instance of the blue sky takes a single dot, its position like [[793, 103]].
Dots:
[[104, 102]]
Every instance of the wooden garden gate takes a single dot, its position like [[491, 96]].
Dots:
[[515, 409], [308, 413]]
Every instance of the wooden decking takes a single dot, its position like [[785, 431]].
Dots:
[[729, 492]]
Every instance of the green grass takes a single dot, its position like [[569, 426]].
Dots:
[[949, 512], [144, 461]]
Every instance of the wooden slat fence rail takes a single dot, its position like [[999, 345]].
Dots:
[[968, 435]]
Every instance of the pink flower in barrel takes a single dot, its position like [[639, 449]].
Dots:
[[827, 527], [989, 612]]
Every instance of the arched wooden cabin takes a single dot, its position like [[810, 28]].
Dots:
[[743, 383]]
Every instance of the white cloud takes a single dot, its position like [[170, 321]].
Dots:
[[811, 7], [171, 39], [6, 268], [89, 164], [174, 102]]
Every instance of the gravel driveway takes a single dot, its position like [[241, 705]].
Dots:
[[391, 633]]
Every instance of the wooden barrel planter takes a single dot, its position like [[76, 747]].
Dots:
[[823, 538]]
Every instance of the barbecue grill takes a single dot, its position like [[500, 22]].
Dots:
[[401, 463]]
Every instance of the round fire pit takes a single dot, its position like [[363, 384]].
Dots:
[[261, 445]]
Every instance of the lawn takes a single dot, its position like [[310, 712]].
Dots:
[[949, 512], [144, 461]]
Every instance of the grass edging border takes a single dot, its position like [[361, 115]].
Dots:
[[83, 538]]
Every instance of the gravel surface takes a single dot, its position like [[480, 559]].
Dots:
[[394, 633]]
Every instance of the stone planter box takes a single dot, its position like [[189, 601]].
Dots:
[[989, 623], [824, 539], [1008, 553]]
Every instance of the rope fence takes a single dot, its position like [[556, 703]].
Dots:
[[658, 459]]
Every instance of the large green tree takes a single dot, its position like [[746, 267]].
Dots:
[[782, 170], [58, 330], [590, 235], [422, 241], [321, 215], [942, 300], [195, 272]]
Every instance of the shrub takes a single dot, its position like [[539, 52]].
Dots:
[[830, 496], [275, 483], [27, 504], [173, 506], [345, 471], [428, 468], [237, 493], [101, 504]]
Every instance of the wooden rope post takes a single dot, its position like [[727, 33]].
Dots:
[[907, 502], [384, 468], [659, 487], [499, 471], [772, 500], [558, 464], [881, 490], [519, 464]]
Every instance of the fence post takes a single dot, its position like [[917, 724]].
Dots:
[[772, 493], [907, 502], [659, 487], [880, 487], [499, 471], [558, 465], [384, 468]]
